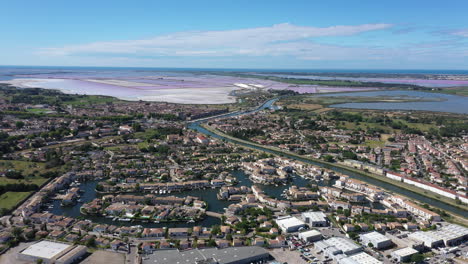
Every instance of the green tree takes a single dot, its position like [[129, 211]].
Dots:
[[19, 124], [417, 258]]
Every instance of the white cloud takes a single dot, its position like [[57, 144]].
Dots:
[[280, 39]]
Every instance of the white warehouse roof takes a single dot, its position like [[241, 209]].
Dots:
[[404, 252], [315, 216], [364, 258], [45, 249], [310, 233], [289, 221], [375, 237], [346, 245]]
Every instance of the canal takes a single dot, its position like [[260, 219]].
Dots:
[[208, 195], [390, 187]]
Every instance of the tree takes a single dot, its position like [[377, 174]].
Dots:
[[16, 232], [91, 242], [417, 258], [19, 124], [328, 158]]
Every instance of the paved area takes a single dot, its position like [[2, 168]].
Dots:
[[104, 257], [291, 257], [9, 257]]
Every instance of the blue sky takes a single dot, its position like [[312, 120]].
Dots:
[[237, 34]]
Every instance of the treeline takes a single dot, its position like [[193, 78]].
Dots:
[[163, 116], [18, 187], [246, 133]]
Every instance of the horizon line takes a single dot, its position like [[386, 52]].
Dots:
[[234, 68]]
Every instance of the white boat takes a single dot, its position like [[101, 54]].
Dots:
[[191, 221]]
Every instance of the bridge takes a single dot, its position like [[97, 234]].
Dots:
[[214, 214]]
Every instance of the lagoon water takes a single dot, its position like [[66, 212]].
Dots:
[[446, 102]]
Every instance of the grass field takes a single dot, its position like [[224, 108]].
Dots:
[[9, 200], [27, 168], [37, 110], [91, 99]]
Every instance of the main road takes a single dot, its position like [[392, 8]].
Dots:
[[400, 188]]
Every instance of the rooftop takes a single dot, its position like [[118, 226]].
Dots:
[[289, 221], [222, 256], [310, 233], [364, 258], [375, 236], [405, 251], [45, 249], [344, 244]]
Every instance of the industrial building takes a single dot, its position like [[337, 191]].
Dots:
[[359, 258], [404, 254], [449, 235], [232, 255], [289, 224], [52, 252], [310, 236], [377, 240], [315, 219], [346, 245], [335, 247]]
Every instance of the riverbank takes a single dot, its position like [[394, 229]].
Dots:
[[455, 217]]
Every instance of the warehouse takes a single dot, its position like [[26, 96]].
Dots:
[[289, 224], [360, 258], [449, 235], [346, 245], [377, 240], [233, 255], [404, 254], [52, 252], [310, 236], [315, 219], [337, 245]]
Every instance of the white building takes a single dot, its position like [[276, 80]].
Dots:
[[404, 254], [377, 240], [289, 224], [310, 236], [449, 235], [360, 258], [430, 239], [344, 244], [315, 219], [52, 252]]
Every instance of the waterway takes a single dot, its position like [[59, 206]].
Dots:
[[208, 195], [215, 205], [390, 187], [437, 102]]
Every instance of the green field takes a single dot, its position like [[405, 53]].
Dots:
[[91, 99], [37, 110], [27, 168], [9, 200]]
